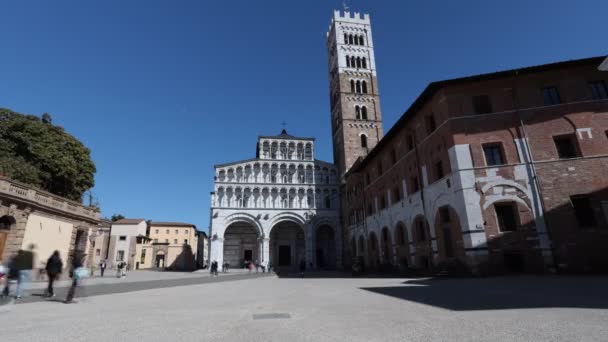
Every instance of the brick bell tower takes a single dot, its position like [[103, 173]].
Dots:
[[353, 88]]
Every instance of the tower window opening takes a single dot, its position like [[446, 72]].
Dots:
[[358, 62], [361, 40], [364, 87], [358, 112], [363, 63], [347, 61], [352, 86], [350, 39], [363, 140], [364, 113], [345, 38], [358, 87], [352, 61]]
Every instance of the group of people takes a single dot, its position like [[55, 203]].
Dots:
[[19, 270], [249, 265]]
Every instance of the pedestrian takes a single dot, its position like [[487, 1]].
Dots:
[[119, 268], [251, 266], [54, 266], [76, 272], [24, 263], [302, 268], [102, 267], [12, 274], [214, 268]]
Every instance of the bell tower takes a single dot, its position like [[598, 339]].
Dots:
[[353, 88]]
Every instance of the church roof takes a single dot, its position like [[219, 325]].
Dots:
[[285, 135]]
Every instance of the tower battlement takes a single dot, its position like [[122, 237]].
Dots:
[[349, 17]]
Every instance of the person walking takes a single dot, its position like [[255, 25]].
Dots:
[[12, 274], [75, 272], [251, 266], [214, 268], [102, 267], [24, 263], [54, 266]]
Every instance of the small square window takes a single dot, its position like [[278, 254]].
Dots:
[[122, 238], [176, 231], [506, 216], [167, 231], [482, 104], [551, 96], [598, 90], [156, 231], [493, 154], [175, 241], [566, 146], [430, 124]]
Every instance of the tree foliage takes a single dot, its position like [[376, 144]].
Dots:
[[36, 152], [117, 217]]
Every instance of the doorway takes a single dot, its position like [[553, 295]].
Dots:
[[248, 255], [160, 261], [284, 255]]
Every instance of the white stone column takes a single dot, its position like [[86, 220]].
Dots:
[[217, 251], [310, 245], [265, 250]]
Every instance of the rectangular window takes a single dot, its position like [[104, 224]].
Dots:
[[155, 240], [156, 231], [551, 96], [98, 252], [506, 216], [430, 124], [142, 259], [176, 231], [598, 90], [175, 241], [566, 146], [444, 214], [439, 170], [120, 256], [167, 231], [583, 211], [415, 185], [493, 153], [482, 104], [166, 240], [122, 238]]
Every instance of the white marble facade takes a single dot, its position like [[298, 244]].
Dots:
[[280, 208]]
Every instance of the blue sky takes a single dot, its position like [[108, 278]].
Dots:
[[162, 90]]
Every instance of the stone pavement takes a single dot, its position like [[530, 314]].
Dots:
[[274, 308]]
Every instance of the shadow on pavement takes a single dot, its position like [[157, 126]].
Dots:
[[503, 292]]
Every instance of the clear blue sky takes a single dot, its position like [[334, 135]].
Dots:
[[162, 90]]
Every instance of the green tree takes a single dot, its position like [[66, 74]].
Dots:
[[36, 152], [117, 217]]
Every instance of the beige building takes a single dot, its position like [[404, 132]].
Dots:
[[202, 255], [101, 242], [171, 245], [31, 216]]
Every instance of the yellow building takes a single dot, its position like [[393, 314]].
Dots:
[[170, 245]]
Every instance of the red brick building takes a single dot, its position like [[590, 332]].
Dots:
[[501, 171]]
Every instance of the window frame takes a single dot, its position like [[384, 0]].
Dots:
[[590, 215], [501, 153], [596, 92], [573, 140], [516, 218], [551, 96], [479, 101]]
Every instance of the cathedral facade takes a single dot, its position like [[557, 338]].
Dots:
[[279, 209]]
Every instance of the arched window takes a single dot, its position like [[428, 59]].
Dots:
[[358, 87], [364, 63], [327, 202], [361, 40], [358, 112], [345, 38], [364, 113], [364, 140], [347, 61], [352, 86], [358, 62], [364, 87], [350, 39], [352, 61]]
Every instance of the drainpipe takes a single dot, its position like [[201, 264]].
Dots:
[[533, 168]]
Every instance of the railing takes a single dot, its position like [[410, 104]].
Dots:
[[44, 199]]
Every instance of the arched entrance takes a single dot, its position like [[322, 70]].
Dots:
[[373, 250], [287, 246], [422, 241], [241, 244], [387, 247], [402, 243], [449, 235], [6, 223], [159, 259], [325, 243]]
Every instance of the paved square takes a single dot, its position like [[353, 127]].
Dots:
[[328, 309]]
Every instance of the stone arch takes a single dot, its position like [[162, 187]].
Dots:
[[243, 217], [448, 232], [386, 246], [402, 245], [241, 243], [421, 235], [325, 244], [373, 250], [287, 245]]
